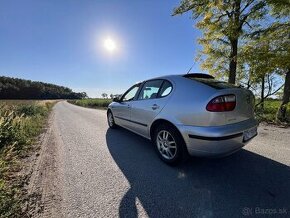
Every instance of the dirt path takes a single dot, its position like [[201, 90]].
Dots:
[[43, 189]]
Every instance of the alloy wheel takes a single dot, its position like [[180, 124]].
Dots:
[[110, 119], [166, 144]]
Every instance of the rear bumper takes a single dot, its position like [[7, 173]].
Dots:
[[216, 140]]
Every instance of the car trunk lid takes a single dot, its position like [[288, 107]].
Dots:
[[244, 108]]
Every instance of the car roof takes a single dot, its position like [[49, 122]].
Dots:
[[189, 75]]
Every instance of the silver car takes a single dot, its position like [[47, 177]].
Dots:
[[187, 114]]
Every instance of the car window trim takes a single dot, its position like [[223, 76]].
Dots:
[[137, 99], [132, 87], [158, 96], [139, 90], [158, 93]]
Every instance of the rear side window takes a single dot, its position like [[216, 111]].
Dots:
[[150, 89], [215, 83], [165, 89]]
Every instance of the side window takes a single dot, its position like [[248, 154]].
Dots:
[[165, 89], [150, 89], [129, 96]]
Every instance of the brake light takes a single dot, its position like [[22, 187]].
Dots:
[[222, 103]]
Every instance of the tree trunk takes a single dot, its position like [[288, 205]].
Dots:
[[262, 93], [233, 61], [282, 111]]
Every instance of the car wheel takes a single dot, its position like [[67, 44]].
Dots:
[[111, 121], [169, 144]]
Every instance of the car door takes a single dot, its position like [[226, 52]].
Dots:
[[122, 109], [151, 99]]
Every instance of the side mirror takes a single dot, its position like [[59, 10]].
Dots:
[[116, 99]]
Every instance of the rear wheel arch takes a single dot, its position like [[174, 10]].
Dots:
[[109, 111], [159, 122], [110, 119]]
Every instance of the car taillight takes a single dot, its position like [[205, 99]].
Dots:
[[222, 103]]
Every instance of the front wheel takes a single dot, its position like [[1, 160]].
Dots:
[[111, 121], [169, 144]]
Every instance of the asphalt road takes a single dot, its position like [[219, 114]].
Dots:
[[111, 173]]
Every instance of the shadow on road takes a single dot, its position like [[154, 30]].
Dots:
[[228, 187]]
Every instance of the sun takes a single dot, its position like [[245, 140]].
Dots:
[[110, 45]]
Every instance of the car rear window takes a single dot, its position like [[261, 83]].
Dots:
[[214, 83]]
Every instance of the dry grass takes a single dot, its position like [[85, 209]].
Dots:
[[20, 123]]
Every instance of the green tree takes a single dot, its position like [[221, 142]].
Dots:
[[104, 95], [268, 51], [225, 25], [262, 54], [13, 88], [280, 34]]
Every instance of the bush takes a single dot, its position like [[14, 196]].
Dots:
[[268, 114], [31, 110]]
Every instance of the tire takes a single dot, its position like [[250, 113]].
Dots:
[[111, 121], [169, 144]]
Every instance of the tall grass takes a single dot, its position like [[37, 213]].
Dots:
[[92, 102], [20, 123]]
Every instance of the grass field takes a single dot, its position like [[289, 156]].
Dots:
[[92, 102], [267, 115], [20, 124]]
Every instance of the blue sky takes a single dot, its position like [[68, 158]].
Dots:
[[62, 42]]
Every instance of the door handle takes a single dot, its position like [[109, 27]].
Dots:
[[155, 106]]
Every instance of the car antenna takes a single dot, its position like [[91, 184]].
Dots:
[[189, 69]]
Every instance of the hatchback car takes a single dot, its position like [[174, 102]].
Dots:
[[187, 114]]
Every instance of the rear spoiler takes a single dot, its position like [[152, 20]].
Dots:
[[198, 75]]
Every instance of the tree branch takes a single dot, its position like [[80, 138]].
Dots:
[[269, 94], [246, 22], [229, 14], [219, 18], [247, 5], [223, 41], [185, 7], [254, 9]]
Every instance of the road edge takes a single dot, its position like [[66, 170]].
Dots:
[[44, 197]]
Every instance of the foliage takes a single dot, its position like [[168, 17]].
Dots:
[[12, 88], [252, 36], [92, 102], [10, 128], [104, 95], [20, 123], [268, 114], [224, 24], [269, 50]]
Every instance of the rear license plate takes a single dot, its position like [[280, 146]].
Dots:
[[250, 133]]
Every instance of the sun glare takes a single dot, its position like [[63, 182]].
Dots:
[[110, 45]]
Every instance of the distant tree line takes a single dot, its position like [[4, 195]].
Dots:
[[105, 95], [13, 88]]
